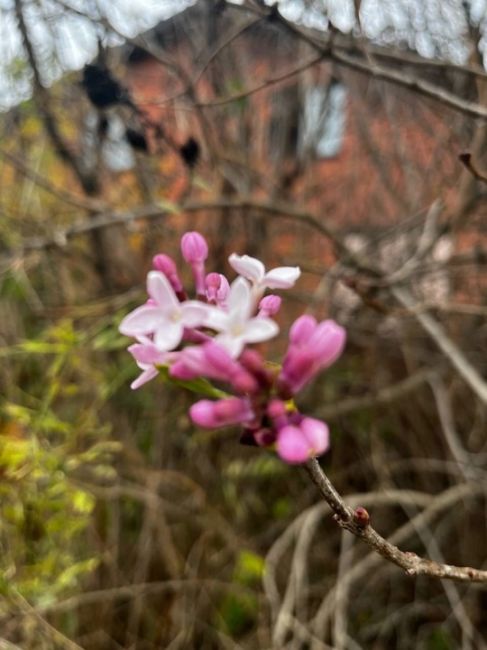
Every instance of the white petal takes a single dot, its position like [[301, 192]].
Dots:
[[194, 313], [232, 344], [168, 336], [282, 277], [260, 329], [143, 320], [216, 319], [249, 267], [239, 300], [159, 288]]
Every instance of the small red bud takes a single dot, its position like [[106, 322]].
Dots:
[[361, 517]]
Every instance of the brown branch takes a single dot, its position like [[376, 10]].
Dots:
[[466, 159], [43, 104], [150, 212], [358, 523], [382, 397], [91, 205]]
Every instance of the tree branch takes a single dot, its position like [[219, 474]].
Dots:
[[357, 522]]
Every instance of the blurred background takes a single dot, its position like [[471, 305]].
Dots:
[[349, 138]]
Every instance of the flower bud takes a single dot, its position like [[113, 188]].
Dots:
[[166, 265], [217, 288], [194, 247], [361, 517], [269, 305], [195, 251], [211, 415], [302, 329]]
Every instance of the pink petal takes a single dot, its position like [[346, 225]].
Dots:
[[260, 329], [301, 330], [328, 341], [146, 353], [317, 435], [249, 267], [143, 320], [159, 288], [169, 335], [144, 377], [292, 445], [283, 277]]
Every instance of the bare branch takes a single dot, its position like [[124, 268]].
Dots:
[[357, 522]]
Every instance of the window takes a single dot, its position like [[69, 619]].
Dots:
[[323, 120]]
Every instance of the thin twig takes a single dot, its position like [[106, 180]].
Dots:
[[412, 564]]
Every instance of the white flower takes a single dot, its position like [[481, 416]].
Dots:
[[163, 316], [282, 277], [236, 325]]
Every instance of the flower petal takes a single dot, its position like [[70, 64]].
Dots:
[[232, 344], [216, 319], [239, 301], [195, 313], [328, 341], [260, 329], [317, 435], [143, 320], [282, 277], [159, 288], [292, 445], [144, 377], [168, 336], [250, 267], [146, 353]]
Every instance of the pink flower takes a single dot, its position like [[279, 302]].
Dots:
[[146, 356], [211, 415], [164, 316], [213, 361], [297, 443], [313, 347]]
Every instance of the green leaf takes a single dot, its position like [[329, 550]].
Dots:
[[249, 568]]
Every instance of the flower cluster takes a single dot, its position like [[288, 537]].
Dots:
[[208, 337]]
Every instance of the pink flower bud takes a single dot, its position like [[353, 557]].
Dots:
[[195, 251], [217, 288], [302, 329], [194, 247], [298, 443], [313, 347], [211, 415], [269, 305], [166, 265]]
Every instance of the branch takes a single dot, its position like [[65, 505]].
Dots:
[[466, 159], [357, 522], [330, 49], [43, 104], [90, 205]]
